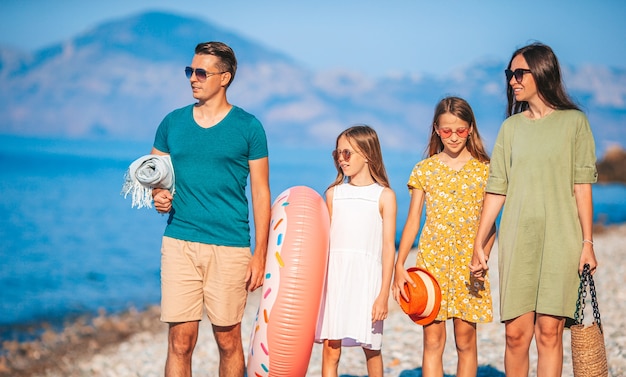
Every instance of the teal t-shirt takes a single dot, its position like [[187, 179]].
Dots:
[[211, 169]]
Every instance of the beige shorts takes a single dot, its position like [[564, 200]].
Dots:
[[193, 274]]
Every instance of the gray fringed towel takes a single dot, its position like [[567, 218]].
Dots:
[[144, 174]]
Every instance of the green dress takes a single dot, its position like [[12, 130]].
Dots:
[[536, 163]]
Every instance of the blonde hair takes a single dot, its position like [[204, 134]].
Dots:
[[365, 140], [462, 110]]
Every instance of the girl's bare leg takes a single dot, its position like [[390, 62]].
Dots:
[[434, 344], [374, 360], [466, 349], [331, 352]]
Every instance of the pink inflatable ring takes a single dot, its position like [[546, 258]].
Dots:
[[284, 330]]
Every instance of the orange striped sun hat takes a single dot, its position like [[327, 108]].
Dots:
[[424, 298]]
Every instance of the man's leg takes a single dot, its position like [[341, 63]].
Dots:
[[182, 339], [229, 344]]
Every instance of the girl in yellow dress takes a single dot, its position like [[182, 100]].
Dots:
[[451, 181]]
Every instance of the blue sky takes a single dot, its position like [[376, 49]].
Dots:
[[372, 37]]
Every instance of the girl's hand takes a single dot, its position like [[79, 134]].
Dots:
[[401, 277], [478, 267], [588, 256], [380, 308]]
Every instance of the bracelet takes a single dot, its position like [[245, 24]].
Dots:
[[588, 241]]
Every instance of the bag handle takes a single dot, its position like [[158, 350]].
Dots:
[[586, 280]]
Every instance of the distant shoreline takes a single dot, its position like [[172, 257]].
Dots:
[[612, 167], [86, 334]]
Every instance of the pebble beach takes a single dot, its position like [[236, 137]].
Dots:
[[135, 343]]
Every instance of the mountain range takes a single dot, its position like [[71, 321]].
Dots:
[[119, 79]]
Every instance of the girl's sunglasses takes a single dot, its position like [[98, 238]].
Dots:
[[345, 153], [460, 132], [201, 74], [518, 73]]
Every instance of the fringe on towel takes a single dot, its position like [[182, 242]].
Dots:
[[144, 174]]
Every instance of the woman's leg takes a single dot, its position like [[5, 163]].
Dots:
[[331, 353], [465, 339], [519, 334], [549, 339], [374, 360], [434, 344]]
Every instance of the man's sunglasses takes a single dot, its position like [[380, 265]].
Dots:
[[461, 132], [518, 73], [345, 153], [201, 74]]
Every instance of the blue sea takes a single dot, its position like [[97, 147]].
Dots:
[[72, 245]]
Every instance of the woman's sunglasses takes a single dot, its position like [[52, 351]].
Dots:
[[461, 132], [201, 74], [518, 73], [345, 153]]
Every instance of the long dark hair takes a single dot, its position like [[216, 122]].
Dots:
[[462, 110], [545, 68], [364, 139]]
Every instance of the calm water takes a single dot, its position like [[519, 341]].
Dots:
[[71, 244]]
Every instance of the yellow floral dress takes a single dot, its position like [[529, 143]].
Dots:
[[454, 201]]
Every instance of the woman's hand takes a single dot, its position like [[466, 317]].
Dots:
[[588, 256], [478, 267]]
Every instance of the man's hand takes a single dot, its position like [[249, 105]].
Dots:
[[256, 272], [162, 200]]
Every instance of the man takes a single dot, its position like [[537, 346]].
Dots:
[[205, 254]]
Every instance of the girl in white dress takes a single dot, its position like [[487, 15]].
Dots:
[[362, 207]]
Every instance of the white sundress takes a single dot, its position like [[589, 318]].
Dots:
[[354, 274]]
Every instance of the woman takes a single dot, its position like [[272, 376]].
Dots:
[[542, 166]]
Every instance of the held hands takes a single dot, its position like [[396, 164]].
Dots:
[[478, 267], [162, 200]]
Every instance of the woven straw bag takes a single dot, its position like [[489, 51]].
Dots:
[[588, 349]]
